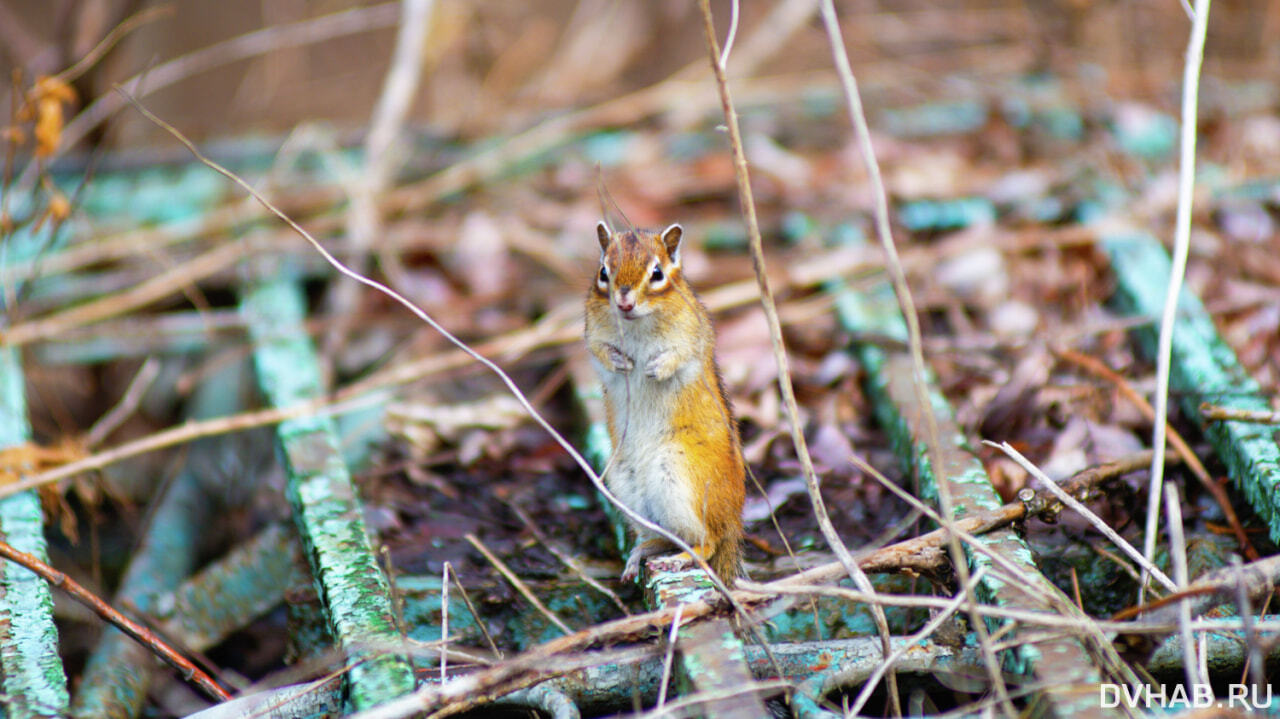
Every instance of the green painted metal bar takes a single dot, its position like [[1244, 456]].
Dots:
[[711, 657], [119, 671], [1204, 369], [115, 680], [1066, 669], [607, 689], [161, 334], [31, 673], [325, 507], [231, 592], [855, 668]]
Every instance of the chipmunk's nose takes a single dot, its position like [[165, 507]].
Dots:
[[626, 300]]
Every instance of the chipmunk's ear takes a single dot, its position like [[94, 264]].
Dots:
[[603, 233], [671, 240]]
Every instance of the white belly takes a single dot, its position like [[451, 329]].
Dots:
[[648, 472]]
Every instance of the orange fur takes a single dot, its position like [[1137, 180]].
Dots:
[[678, 461]]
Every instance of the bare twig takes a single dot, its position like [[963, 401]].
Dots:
[[1255, 666], [779, 348], [1097, 367], [186, 432], [1083, 511], [1181, 247], [518, 584], [131, 23], [1216, 413], [128, 403], [669, 655], [152, 290], [475, 615], [1178, 556], [140, 634], [444, 622], [903, 292], [942, 616], [733, 33], [565, 559]]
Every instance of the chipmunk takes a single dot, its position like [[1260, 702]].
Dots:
[[677, 457]]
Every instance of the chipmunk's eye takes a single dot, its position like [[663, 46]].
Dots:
[[604, 275], [657, 274]]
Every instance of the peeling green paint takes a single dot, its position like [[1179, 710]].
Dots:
[[1063, 665], [326, 510], [232, 591], [119, 671], [34, 683], [1204, 369]]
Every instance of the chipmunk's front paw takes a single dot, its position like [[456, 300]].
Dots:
[[619, 361], [661, 366], [632, 570]]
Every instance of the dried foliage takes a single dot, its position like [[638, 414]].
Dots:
[[995, 150]]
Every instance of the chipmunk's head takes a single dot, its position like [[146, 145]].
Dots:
[[637, 266]]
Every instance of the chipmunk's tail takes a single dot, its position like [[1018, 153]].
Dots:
[[727, 560]]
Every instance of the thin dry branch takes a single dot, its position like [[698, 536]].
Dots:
[[779, 348], [190, 672], [903, 292], [518, 584], [1178, 557], [1083, 511], [568, 561], [1096, 367], [1181, 248], [1215, 413], [157, 288]]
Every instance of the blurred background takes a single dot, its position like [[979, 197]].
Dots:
[[494, 66], [1005, 131]]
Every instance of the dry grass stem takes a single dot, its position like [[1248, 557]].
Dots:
[[153, 290], [943, 615], [444, 621], [779, 349], [1178, 557], [903, 292], [668, 656], [1181, 247], [518, 584], [568, 561], [1084, 511], [475, 615], [127, 405], [1180, 445]]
